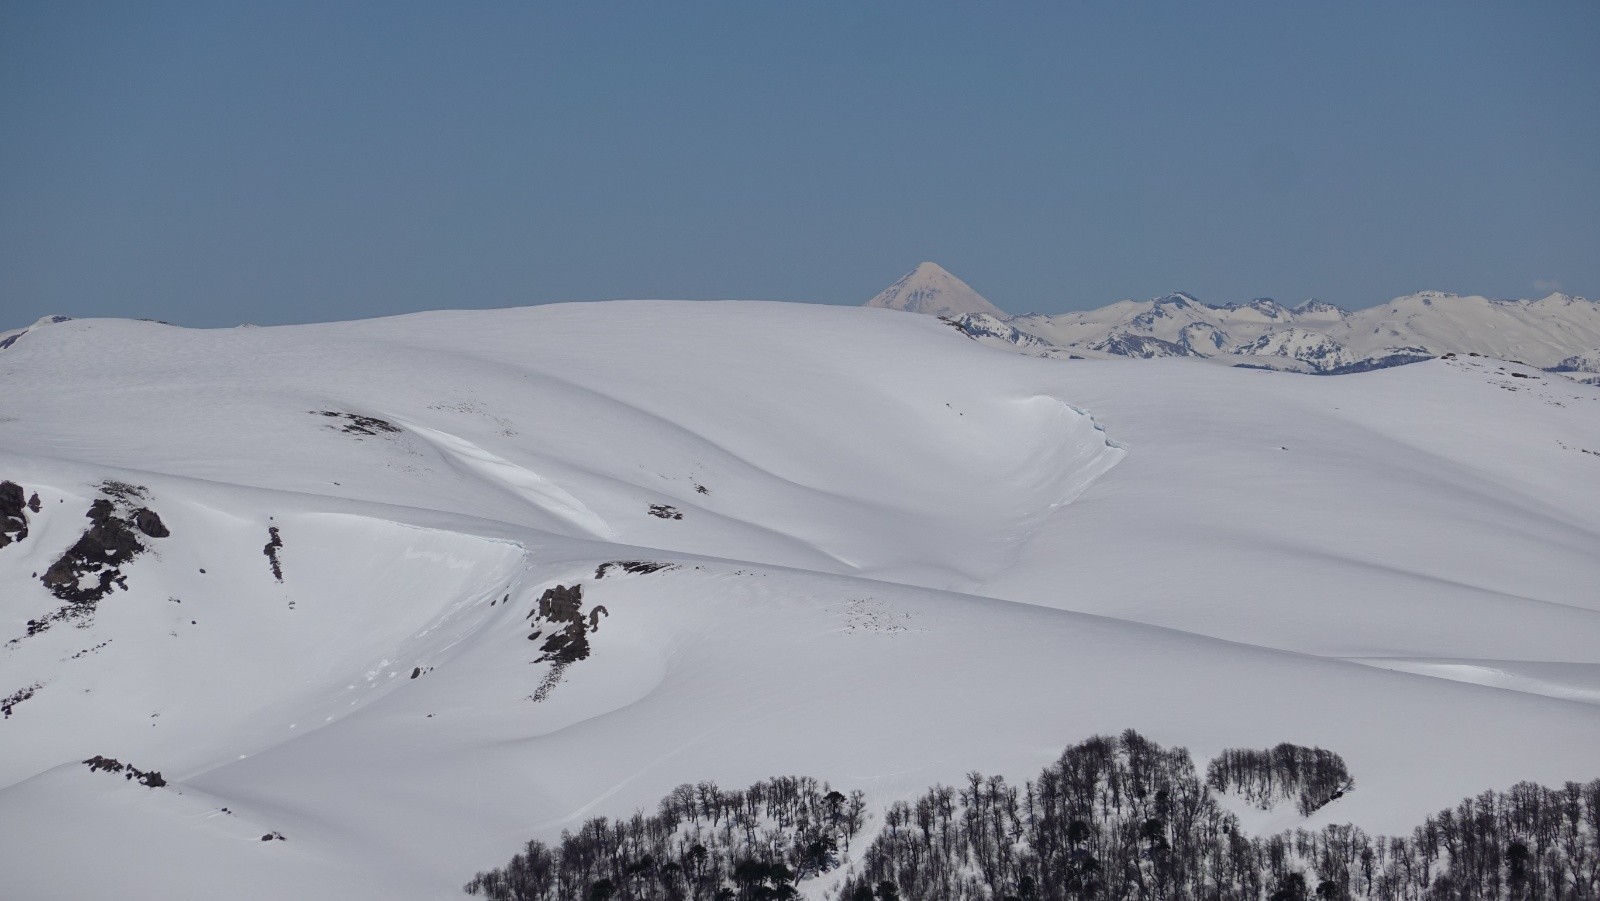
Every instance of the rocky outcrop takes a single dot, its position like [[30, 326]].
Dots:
[[13, 515], [91, 568]]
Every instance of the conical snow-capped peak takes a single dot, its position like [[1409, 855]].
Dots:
[[931, 289]]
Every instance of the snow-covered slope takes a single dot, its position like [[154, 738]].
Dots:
[[931, 289], [893, 556], [10, 337], [1537, 332]]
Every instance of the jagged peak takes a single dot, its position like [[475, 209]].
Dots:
[[1313, 305], [1179, 299]]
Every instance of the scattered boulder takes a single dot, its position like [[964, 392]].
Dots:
[[665, 511], [149, 522], [10, 701], [150, 778]]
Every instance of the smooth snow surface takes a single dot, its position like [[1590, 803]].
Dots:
[[901, 556]]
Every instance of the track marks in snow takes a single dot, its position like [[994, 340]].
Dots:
[[872, 616]]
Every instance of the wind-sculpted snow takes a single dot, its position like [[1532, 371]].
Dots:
[[889, 556], [538, 491]]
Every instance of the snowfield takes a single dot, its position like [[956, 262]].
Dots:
[[895, 555]]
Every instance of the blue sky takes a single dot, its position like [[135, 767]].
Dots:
[[216, 163]]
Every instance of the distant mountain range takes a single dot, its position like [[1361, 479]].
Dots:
[[1558, 333]]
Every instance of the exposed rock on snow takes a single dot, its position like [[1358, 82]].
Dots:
[[637, 567], [150, 778], [8, 338], [356, 424], [918, 558], [561, 608], [13, 518], [107, 545], [274, 544]]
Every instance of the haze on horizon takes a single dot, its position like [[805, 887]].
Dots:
[[210, 164]]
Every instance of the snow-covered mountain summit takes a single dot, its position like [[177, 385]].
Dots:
[[931, 289], [8, 338]]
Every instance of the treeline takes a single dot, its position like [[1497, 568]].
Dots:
[[1310, 776], [702, 843], [1122, 818], [1113, 819]]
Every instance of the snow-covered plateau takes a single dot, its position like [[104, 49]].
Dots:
[[296, 570]]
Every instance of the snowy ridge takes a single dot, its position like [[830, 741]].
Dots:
[[8, 338], [347, 634]]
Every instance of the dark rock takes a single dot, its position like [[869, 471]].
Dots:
[[274, 544], [11, 503], [17, 697], [13, 522], [356, 424], [149, 522], [637, 567], [107, 544], [33, 502], [99, 762], [563, 606]]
